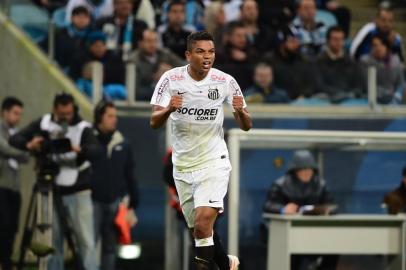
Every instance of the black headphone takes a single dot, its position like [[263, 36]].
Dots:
[[100, 109]]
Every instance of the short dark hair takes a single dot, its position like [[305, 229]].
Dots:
[[10, 102], [63, 99], [384, 39], [174, 3], [198, 36], [80, 10], [234, 25], [101, 109], [332, 29]]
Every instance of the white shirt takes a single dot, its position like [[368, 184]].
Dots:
[[197, 127]]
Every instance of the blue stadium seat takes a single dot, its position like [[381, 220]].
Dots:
[[33, 20], [326, 17], [59, 17]]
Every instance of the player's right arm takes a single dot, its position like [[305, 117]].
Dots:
[[160, 114]]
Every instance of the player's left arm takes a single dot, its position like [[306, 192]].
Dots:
[[241, 115]]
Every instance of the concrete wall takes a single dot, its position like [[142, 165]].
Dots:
[[27, 73]]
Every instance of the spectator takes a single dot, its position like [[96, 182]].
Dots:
[[10, 198], [311, 33], [215, 22], [277, 13], [70, 41], [232, 10], [173, 35], [264, 90], [73, 179], [384, 25], [96, 50], [113, 178], [237, 57], [50, 5], [258, 36], [390, 76], [395, 200], [341, 77], [342, 14], [292, 73], [301, 185], [123, 31], [144, 11], [152, 62], [113, 68], [194, 13], [98, 9]]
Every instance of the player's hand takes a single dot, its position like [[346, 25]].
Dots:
[[175, 103], [291, 208], [35, 144], [238, 103]]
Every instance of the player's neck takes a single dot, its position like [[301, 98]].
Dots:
[[196, 75]]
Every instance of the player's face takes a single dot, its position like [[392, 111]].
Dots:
[[12, 117], [201, 56]]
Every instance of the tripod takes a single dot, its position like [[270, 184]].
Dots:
[[39, 216]]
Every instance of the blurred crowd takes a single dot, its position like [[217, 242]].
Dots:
[[280, 51]]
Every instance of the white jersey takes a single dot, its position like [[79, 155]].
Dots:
[[197, 127]]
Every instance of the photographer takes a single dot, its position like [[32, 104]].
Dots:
[[43, 138], [10, 198]]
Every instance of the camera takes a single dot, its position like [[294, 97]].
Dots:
[[47, 166]]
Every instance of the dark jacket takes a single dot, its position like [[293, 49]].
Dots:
[[240, 69], [341, 78], [173, 40], [69, 43], [113, 174], [396, 200], [88, 143], [289, 189], [113, 67], [292, 73]]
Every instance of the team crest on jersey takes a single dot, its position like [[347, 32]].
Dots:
[[213, 94]]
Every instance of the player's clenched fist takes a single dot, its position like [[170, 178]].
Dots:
[[238, 103], [175, 103]]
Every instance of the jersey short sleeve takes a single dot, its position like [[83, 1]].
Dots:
[[233, 90], [162, 95]]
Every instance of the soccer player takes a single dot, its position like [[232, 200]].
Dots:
[[193, 96]]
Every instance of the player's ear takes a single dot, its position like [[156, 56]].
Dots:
[[187, 54]]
